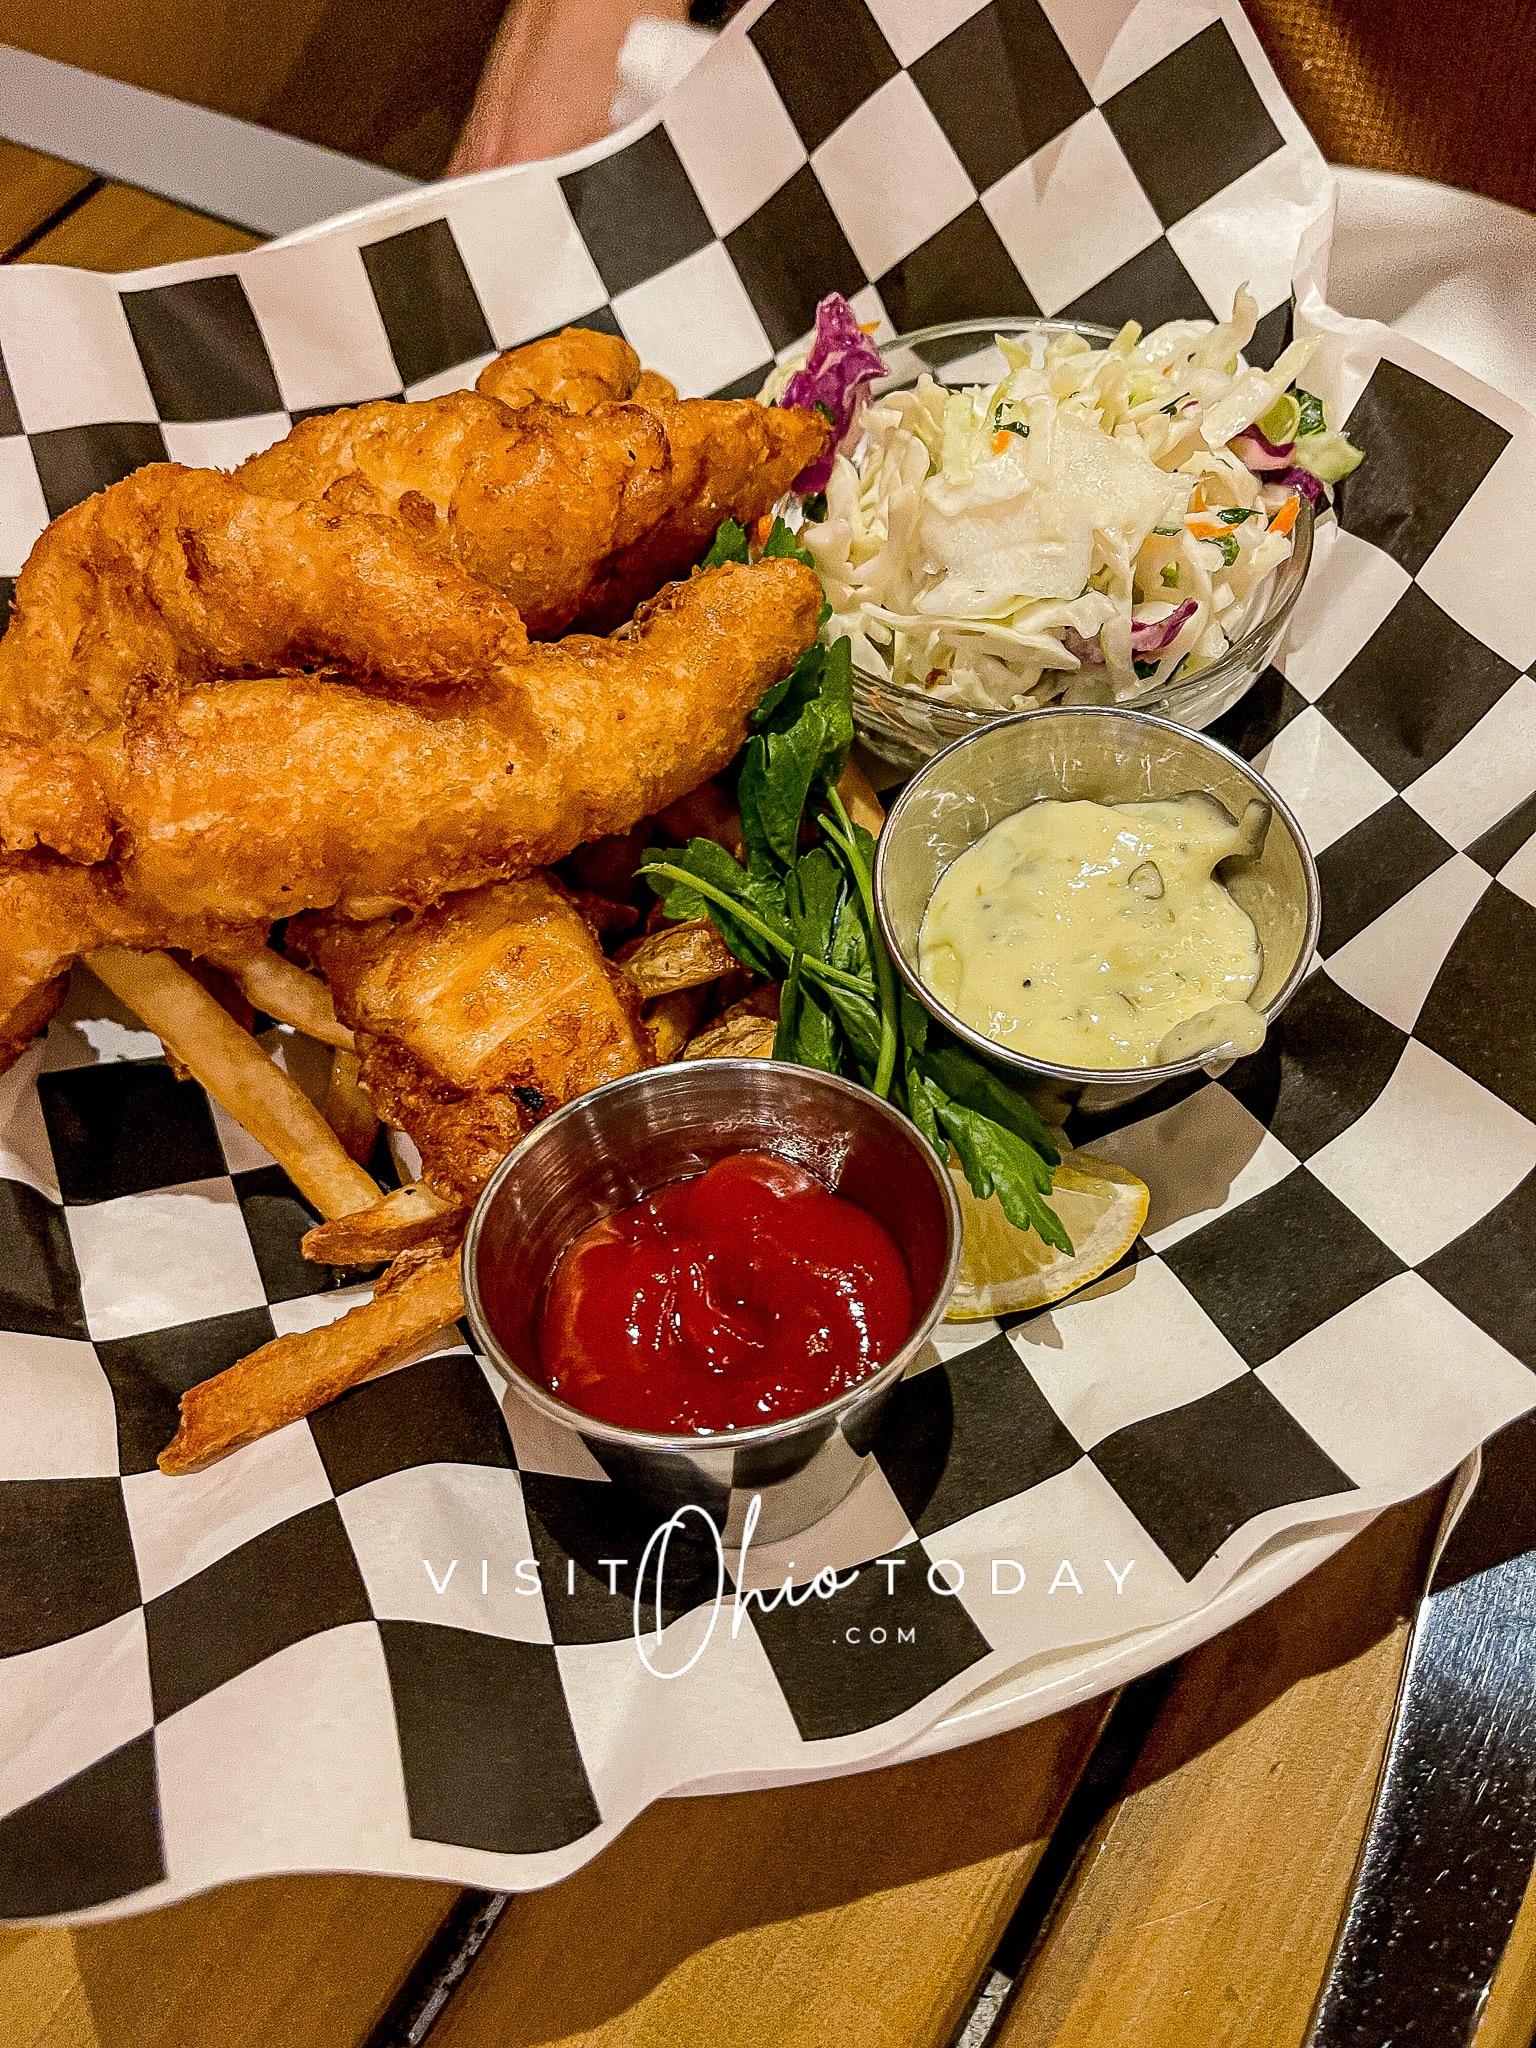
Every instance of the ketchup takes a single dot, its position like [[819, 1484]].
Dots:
[[745, 1293]]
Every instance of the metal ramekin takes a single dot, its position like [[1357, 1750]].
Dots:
[[1108, 754], [621, 1143]]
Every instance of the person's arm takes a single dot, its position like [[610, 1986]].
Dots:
[[550, 79]]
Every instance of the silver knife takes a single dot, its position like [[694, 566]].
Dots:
[[1452, 1840]]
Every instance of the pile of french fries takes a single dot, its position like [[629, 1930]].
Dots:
[[678, 971]]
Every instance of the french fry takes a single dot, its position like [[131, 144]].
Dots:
[[347, 1109], [271, 983], [407, 1216], [859, 798], [734, 1038], [678, 956], [296, 1374], [672, 1020], [745, 1031], [240, 1077]]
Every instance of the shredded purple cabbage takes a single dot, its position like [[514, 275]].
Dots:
[[1088, 651], [1258, 452], [1152, 639], [838, 372], [1304, 481]]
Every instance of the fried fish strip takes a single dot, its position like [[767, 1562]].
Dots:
[[296, 1374], [574, 515], [249, 801], [175, 576]]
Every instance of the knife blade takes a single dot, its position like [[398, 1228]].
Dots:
[[1452, 1840]]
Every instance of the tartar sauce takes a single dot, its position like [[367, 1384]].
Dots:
[[1098, 936]]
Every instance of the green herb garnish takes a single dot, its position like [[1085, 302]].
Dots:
[[806, 915], [1313, 419], [1227, 542], [1234, 515], [1168, 532], [1145, 669], [1173, 405], [815, 507]]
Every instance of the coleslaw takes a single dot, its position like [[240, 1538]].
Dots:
[[1090, 524]]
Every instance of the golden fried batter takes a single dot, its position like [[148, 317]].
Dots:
[[250, 800], [477, 1017], [51, 797], [731, 459], [575, 516], [577, 368], [176, 576], [52, 911]]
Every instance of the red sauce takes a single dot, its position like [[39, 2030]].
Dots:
[[743, 1294]]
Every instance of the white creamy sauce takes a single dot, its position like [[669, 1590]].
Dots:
[[1094, 936]]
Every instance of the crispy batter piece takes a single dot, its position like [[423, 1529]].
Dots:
[[577, 368], [30, 1016], [477, 1017]]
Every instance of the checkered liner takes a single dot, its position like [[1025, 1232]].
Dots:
[[399, 1637]]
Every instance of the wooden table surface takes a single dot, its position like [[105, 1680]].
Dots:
[[1216, 1822]]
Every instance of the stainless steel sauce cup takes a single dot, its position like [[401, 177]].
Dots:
[[1107, 754], [626, 1140]]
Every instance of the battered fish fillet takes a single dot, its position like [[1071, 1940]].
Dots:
[[50, 797], [245, 801], [477, 1017], [577, 368], [574, 516], [176, 576]]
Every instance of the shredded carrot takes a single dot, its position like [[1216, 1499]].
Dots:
[[868, 326], [762, 529], [1285, 518], [1205, 529], [1197, 497], [999, 443]]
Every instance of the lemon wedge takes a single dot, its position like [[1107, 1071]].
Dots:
[[1004, 1269]]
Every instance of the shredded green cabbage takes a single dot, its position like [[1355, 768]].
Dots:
[[989, 544]]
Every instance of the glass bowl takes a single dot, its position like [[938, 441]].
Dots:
[[905, 726]]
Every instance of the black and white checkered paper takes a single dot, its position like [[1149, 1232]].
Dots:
[[400, 1636]]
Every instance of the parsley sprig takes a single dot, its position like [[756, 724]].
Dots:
[[804, 914]]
